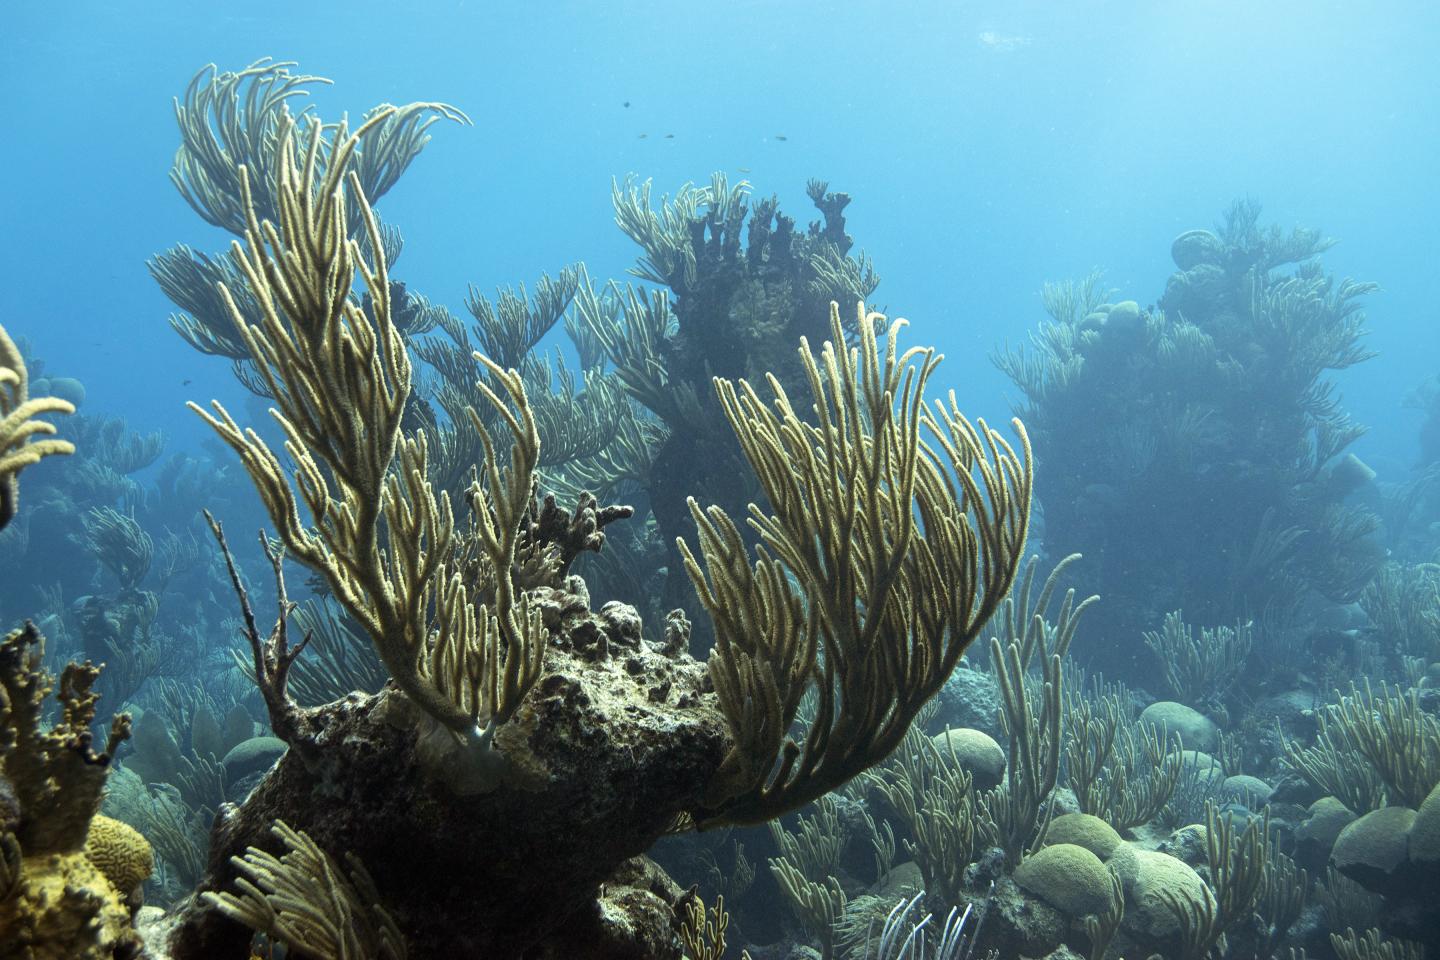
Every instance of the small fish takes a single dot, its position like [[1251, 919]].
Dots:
[[669, 136], [642, 136], [625, 104], [186, 383], [743, 169], [781, 136]]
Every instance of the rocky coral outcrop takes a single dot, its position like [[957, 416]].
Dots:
[[61, 897], [512, 854]]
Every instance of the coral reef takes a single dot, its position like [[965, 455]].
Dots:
[[1195, 449], [511, 707], [440, 746]]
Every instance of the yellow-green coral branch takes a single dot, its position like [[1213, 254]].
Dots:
[[893, 534], [18, 425], [380, 535], [304, 900]]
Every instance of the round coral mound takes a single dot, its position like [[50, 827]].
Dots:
[[1084, 830], [1068, 877], [120, 852]]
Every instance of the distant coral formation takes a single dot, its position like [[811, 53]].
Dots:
[[737, 287], [1196, 451]]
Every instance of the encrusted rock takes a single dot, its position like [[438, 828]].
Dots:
[[677, 634], [64, 908], [588, 774], [622, 623], [970, 699], [631, 919], [1017, 925], [557, 605], [1187, 844]]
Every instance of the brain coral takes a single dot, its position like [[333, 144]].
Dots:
[[1068, 877], [120, 852]]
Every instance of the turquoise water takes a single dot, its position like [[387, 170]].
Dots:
[[989, 148]]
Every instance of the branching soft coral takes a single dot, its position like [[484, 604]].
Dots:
[[386, 544], [304, 900], [893, 534], [901, 526], [19, 423]]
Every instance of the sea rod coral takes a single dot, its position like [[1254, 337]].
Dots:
[[19, 422]]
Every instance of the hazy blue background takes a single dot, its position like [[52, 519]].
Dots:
[[989, 147]]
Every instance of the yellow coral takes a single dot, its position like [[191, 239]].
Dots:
[[120, 852], [18, 424], [64, 908], [57, 903], [388, 546]]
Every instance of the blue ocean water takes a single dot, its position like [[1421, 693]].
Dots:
[[989, 147]]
